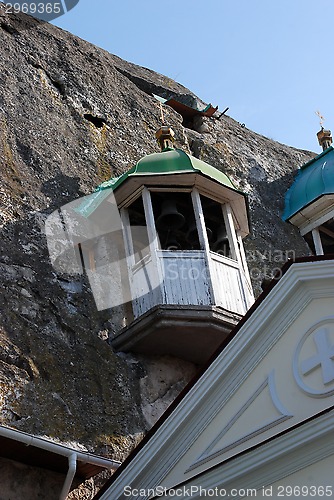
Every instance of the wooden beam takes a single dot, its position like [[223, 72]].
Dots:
[[316, 222], [324, 229], [231, 233], [203, 236]]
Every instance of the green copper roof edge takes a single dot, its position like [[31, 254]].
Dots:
[[320, 155], [287, 214], [287, 218], [154, 156], [303, 177], [195, 171], [91, 202], [191, 161], [97, 197], [217, 178], [159, 98], [113, 183]]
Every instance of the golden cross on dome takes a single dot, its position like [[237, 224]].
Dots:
[[321, 118]]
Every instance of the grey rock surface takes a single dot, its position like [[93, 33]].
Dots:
[[71, 116]]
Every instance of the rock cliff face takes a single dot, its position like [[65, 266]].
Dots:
[[71, 116]]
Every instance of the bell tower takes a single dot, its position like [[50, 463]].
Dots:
[[162, 246], [183, 223]]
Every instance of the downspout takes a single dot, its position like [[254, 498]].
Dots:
[[61, 450], [72, 467]]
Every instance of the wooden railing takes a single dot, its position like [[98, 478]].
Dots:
[[189, 277], [229, 284]]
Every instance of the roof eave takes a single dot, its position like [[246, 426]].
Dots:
[[320, 155]]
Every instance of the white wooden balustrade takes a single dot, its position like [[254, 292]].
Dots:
[[188, 277]]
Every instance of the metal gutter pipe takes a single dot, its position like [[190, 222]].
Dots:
[[72, 467], [72, 455], [59, 449]]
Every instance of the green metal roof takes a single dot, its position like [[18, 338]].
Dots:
[[314, 179], [169, 161]]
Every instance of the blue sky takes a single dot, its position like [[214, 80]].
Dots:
[[269, 61]]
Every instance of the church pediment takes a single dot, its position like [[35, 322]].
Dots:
[[294, 381], [277, 372]]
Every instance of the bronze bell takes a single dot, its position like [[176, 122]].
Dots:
[[221, 244], [170, 217], [173, 244], [192, 234]]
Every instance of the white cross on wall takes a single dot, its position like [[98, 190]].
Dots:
[[323, 358]]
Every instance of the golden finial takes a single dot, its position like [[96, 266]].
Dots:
[[165, 137], [324, 136], [165, 134]]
